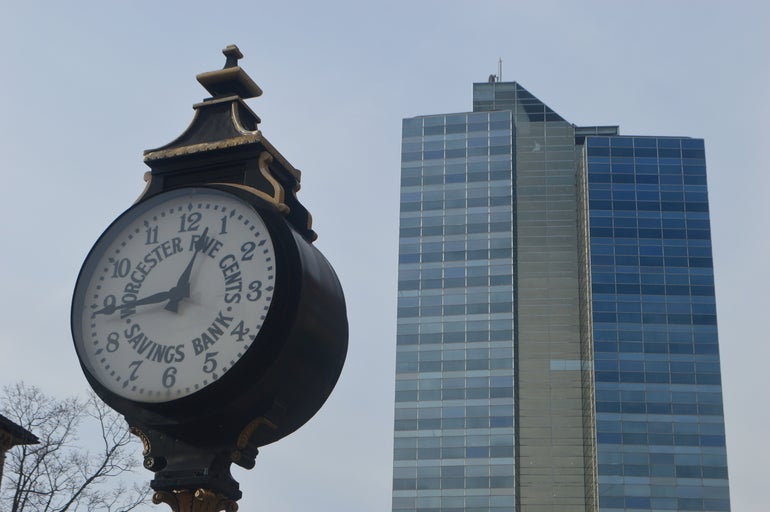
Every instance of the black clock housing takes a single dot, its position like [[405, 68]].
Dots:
[[291, 366], [294, 362]]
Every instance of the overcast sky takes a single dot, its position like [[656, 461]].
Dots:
[[87, 86]]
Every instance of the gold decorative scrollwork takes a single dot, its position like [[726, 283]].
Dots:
[[147, 183], [246, 433], [265, 159], [200, 500], [143, 437]]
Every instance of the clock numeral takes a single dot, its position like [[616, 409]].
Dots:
[[248, 251], [135, 365], [223, 231], [255, 290], [152, 236], [121, 268], [112, 342], [239, 331], [169, 377], [189, 222], [110, 305], [210, 364]]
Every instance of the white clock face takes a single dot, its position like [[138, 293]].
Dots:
[[173, 294]]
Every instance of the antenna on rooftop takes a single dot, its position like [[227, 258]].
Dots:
[[499, 76]]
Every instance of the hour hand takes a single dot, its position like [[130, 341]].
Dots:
[[150, 299]]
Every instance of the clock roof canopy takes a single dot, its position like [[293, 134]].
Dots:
[[223, 144]]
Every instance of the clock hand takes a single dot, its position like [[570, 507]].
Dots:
[[150, 299], [174, 296], [182, 288]]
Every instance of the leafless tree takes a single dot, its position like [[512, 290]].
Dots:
[[83, 462]]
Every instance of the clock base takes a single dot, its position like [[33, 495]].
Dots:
[[200, 500], [182, 468]]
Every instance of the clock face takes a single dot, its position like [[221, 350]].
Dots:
[[173, 294]]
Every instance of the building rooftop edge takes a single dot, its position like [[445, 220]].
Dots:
[[20, 434]]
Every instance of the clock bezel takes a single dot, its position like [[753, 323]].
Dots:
[[263, 350]]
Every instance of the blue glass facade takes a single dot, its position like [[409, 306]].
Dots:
[[659, 419], [556, 340], [454, 437]]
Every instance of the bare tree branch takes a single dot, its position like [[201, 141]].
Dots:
[[82, 463]]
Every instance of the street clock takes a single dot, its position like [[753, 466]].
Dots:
[[204, 313]]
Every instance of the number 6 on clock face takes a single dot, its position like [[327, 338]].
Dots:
[[173, 294]]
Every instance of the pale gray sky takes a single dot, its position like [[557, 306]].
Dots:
[[87, 86]]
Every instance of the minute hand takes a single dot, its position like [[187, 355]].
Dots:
[[182, 288]]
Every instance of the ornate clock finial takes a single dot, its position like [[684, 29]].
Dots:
[[233, 55], [230, 80], [226, 131]]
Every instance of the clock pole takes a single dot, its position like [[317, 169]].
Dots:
[[204, 314]]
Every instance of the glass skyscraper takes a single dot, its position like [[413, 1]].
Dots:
[[556, 342]]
